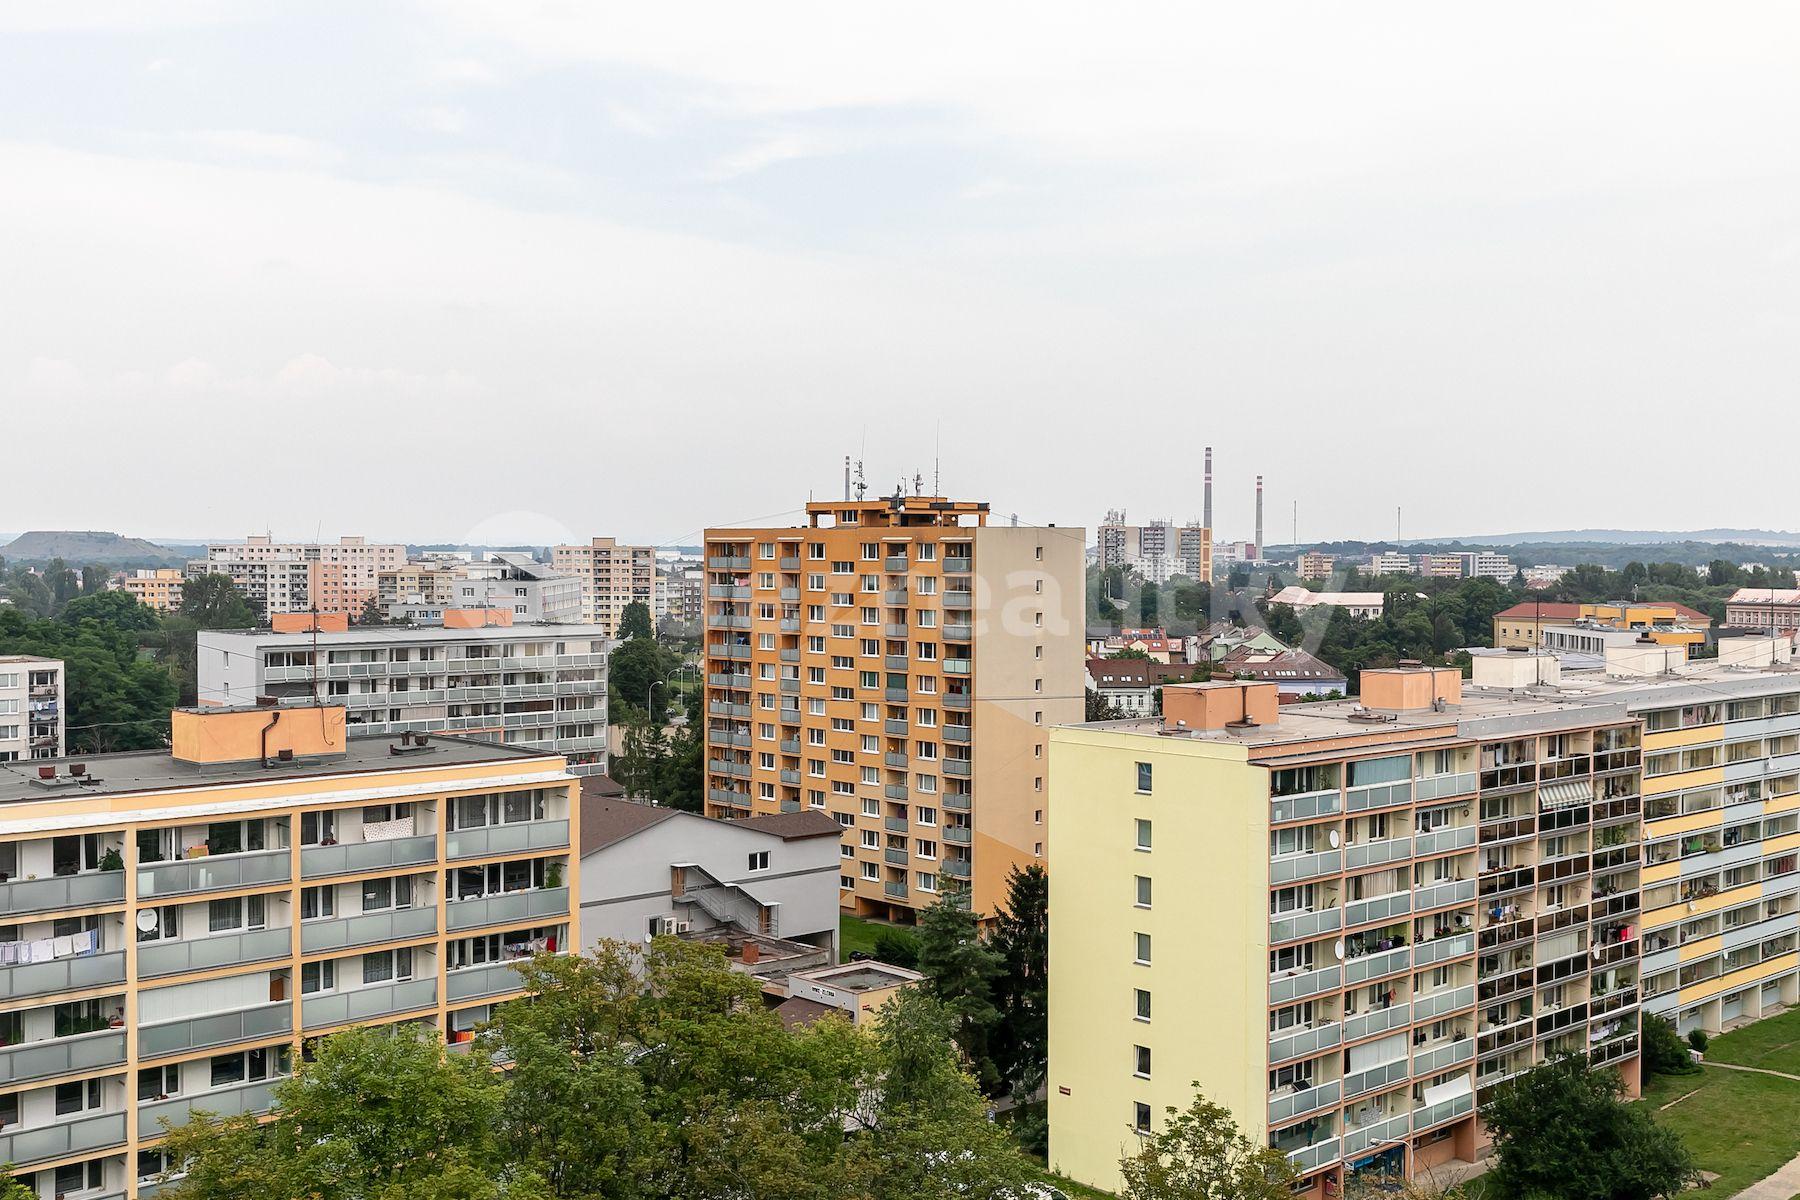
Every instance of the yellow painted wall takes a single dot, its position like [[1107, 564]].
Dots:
[[243, 735], [1208, 924]]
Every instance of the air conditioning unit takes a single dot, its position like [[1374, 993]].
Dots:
[[669, 926]]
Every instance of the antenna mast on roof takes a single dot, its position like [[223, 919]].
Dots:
[[862, 485]]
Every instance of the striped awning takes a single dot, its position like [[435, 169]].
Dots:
[[1565, 793]]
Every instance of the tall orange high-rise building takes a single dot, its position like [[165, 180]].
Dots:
[[897, 663]]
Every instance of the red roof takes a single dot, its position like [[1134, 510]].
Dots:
[[1548, 609]]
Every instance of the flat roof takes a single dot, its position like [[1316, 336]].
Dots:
[[28, 658], [408, 633], [158, 770], [1583, 698], [860, 976]]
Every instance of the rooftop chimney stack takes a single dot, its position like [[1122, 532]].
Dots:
[[1206, 519], [1259, 541]]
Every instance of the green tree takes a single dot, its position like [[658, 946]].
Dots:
[[114, 699], [962, 968], [1200, 1154], [1020, 1041], [1130, 652], [634, 622], [113, 610], [216, 602], [638, 671], [1665, 1053], [898, 947], [93, 579], [1100, 709], [377, 1112], [1563, 1130], [370, 614]]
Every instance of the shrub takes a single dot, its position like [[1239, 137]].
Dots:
[[1664, 1051], [1697, 1039], [897, 947]]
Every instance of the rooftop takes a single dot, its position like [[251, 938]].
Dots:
[[408, 634], [157, 770], [27, 658], [864, 976]]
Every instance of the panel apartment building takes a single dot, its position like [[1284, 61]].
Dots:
[[541, 687], [1346, 921], [286, 577], [33, 713], [531, 591], [612, 576], [897, 663], [176, 920]]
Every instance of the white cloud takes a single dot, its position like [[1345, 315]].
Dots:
[[260, 147]]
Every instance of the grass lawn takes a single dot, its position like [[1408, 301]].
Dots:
[[1077, 1191], [1773, 1045], [856, 933], [1739, 1125]]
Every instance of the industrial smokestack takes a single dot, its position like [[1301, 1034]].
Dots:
[[1206, 519], [1259, 541]]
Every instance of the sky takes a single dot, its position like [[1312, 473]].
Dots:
[[536, 271]]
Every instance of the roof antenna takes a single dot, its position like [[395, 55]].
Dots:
[[937, 448], [862, 485]]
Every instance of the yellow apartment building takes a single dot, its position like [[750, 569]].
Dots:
[[897, 663], [175, 921], [1347, 921], [160, 589]]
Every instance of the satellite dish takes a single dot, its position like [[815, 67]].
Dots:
[[1333, 837], [147, 920], [1338, 949]]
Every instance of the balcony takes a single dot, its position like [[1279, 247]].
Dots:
[[1373, 854], [790, 745], [1298, 985], [957, 801], [957, 700], [896, 597], [490, 979], [318, 862], [790, 776], [728, 562], [1438, 787], [959, 767], [790, 563], [957, 734], [1305, 805], [220, 950], [1377, 908], [1427, 1115], [214, 873], [1287, 1105], [955, 868], [895, 858], [1311, 1158], [895, 824], [1380, 795], [1440, 841], [1294, 867], [957, 835], [1375, 1021], [507, 907], [520, 837], [895, 727], [1360, 1138], [367, 929], [234, 1101], [897, 695], [61, 1056], [62, 975], [726, 591], [958, 564], [894, 758], [1436, 1059], [1287, 927], [896, 791], [1439, 949], [895, 563], [63, 1139], [1374, 966], [1440, 895], [1304, 1043], [260, 1023], [344, 1008], [958, 599], [894, 629], [1375, 1078], [21, 896], [958, 633]]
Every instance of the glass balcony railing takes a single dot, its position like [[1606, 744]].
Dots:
[[1428, 1115], [1298, 985], [489, 979], [213, 873], [1288, 1104], [1375, 1077], [219, 950], [507, 839], [218, 1029], [1361, 1137], [257, 1097], [317, 862], [65, 1138], [1372, 966], [61, 1056], [21, 896], [1379, 1020], [1304, 1042], [367, 929], [507, 906], [385, 999], [62, 975]]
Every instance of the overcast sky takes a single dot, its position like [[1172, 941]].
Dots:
[[528, 271]]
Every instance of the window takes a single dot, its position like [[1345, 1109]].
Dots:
[[1140, 1118], [317, 902], [159, 1083], [1141, 1056], [317, 977], [759, 861], [1143, 834], [1142, 949], [1143, 891], [1143, 1003], [1143, 777]]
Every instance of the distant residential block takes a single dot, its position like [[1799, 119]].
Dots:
[[612, 576], [33, 713]]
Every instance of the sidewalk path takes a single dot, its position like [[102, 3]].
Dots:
[[1782, 1185]]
